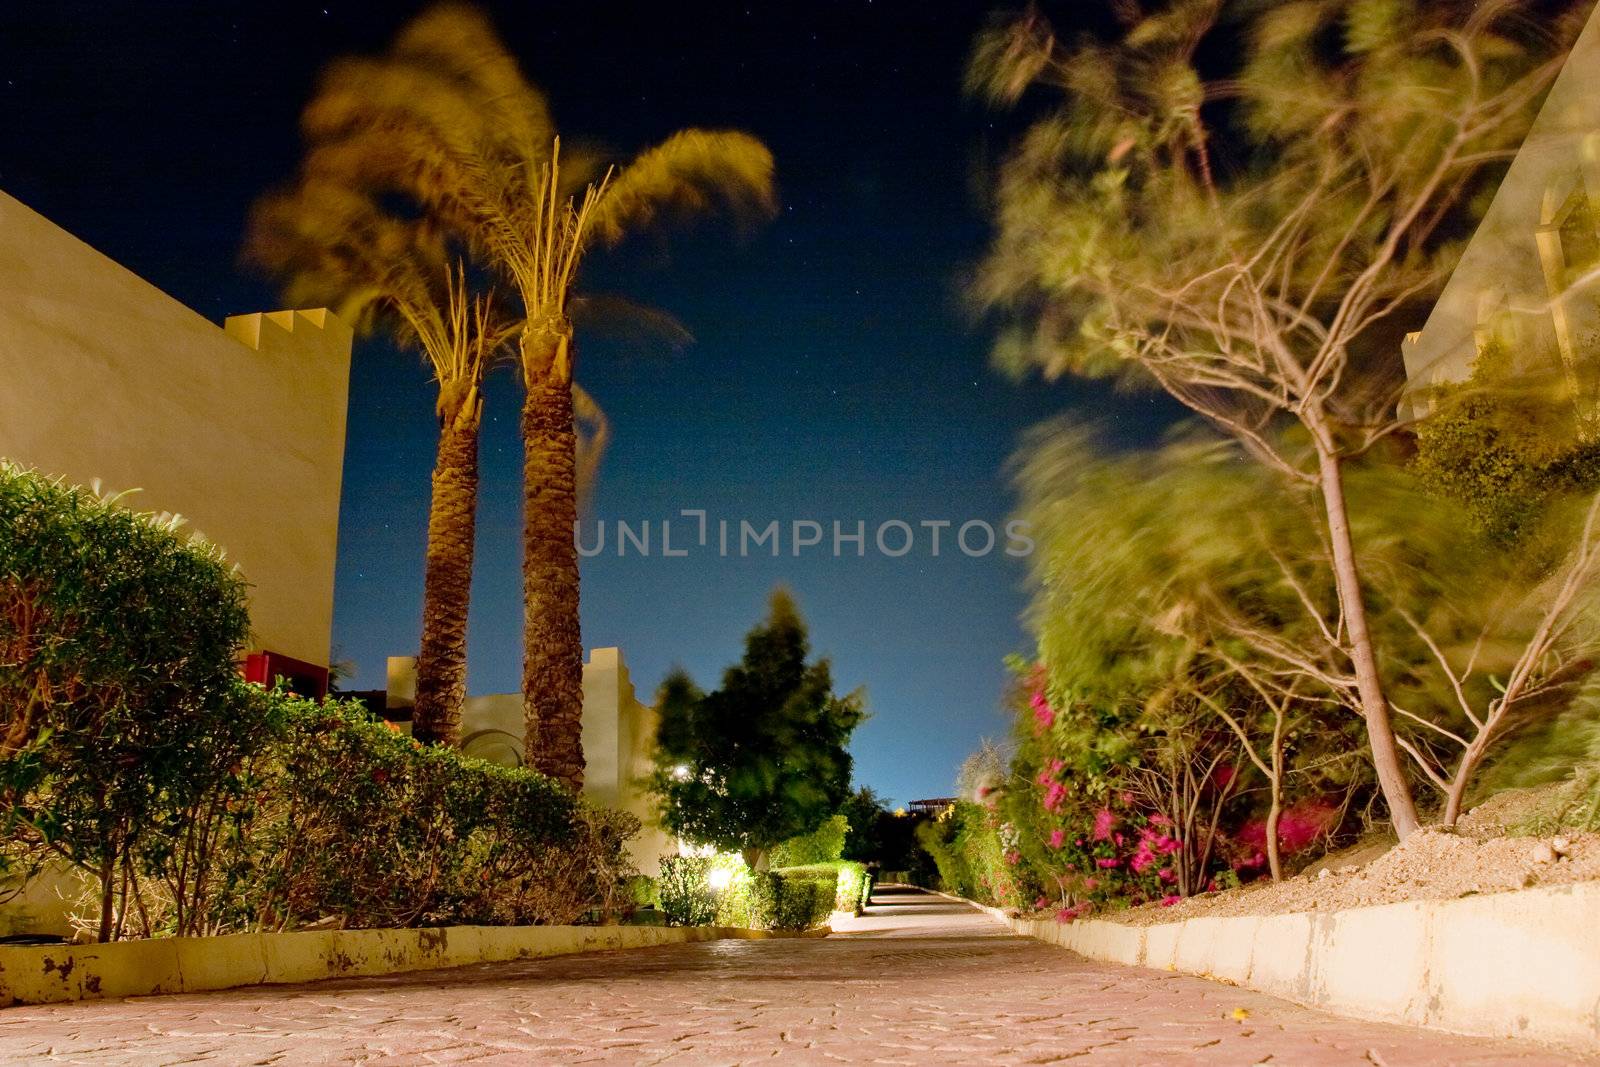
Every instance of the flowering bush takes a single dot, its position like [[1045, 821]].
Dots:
[[1082, 817]]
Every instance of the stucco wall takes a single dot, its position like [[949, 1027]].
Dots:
[[1502, 286], [239, 429]]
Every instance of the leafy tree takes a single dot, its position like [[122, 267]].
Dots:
[[447, 119], [761, 759], [825, 844], [1236, 202], [333, 244], [1182, 607]]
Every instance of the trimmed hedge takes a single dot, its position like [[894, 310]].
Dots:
[[793, 900], [851, 880], [349, 818]]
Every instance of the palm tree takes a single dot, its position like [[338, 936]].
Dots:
[[332, 244], [446, 117]]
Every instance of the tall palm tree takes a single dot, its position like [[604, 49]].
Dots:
[[333, 244], [447, 117]]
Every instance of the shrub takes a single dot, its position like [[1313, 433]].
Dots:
[[852, 884], [198, 803], [795, 902], [351, 819], [822, 845], [118, 639], [686, 898], [793, 899]]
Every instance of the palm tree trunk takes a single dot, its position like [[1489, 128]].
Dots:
[[447, 578], [552, 658]]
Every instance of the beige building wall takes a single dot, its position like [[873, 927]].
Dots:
[[239, 429], [1528, 276], [619, 733]]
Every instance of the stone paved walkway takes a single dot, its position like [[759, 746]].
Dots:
[[920, 980]]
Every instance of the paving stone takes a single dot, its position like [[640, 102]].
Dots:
[[918, 980]]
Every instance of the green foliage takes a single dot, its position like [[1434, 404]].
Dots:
[[1505, 445], [696, 891], [347, 819], [685, 892], [975, 852], [1242, 204], [822, 845], [795, 901], [202, 804], [852, 883], [118, 639], [763, 758]]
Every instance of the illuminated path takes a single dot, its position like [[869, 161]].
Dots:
[[919, 980]]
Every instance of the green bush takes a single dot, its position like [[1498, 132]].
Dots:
[[686, 898], [794, 902], [198, 803], [353, 820], [852, 884], [118, 686], [696, 891], [822, 845]]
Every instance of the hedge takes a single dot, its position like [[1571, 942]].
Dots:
[[853, 884], [789, 898], [197, 803]]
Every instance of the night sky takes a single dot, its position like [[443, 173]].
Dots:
[[834, 375]]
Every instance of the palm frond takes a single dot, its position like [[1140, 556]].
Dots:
[[690, 173], [457, 41]]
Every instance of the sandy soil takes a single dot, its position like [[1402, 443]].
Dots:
[[1432, 865]]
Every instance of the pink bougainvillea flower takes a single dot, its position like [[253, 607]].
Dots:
[[1170, 899], [1103, 822], [1166, 875], [1108, 862], [1058, 838], [1013, 857], [1080, 842], [1040, 904], [1091, 884], [1044, 716], [1160, 820]]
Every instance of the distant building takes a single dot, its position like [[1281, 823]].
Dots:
[[1530, 277], [239, 428], [619, 735], [931, 808]]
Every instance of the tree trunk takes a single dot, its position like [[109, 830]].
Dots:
[[552, 661], [447, 578], [107, 874], [1275, 782], [1374, 705], [1274, 859], [1457, 792]]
